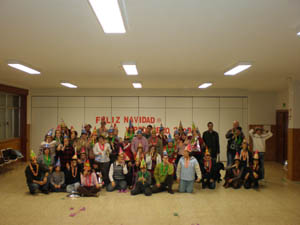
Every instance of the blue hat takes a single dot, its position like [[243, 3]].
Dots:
[[165, 153], [47, 146], [110, 130], [83, 131], [130, 124], [139, 131], [186, 132], [170, 139], [50, 132], [58, 162], [176, 132], [161, 127]]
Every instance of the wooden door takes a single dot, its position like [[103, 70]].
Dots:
[[281, 134]]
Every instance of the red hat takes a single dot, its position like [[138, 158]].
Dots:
[[188, 148], [82, 151], [120, 151]]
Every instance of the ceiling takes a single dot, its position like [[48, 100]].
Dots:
[[175, 43]]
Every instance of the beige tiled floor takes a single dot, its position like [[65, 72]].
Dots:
[[277, 202]]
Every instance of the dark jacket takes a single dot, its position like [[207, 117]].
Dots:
[[211, 140], [234, 145], [212, 173], [69, 178], [40, 176]]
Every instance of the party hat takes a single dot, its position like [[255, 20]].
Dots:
[[143, 164], [32, 154], [58, 162]]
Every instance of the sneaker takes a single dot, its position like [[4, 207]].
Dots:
[[171, 192], [124, 191]]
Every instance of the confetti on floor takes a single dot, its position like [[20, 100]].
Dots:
[[75, 213], [175, 214]]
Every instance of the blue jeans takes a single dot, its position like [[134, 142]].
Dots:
[[230, 157], [33, 187], [120, 185], [186, 186], [262, 164]]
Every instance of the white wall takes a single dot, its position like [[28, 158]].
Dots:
[[262, 108], [220, 106], [282, 98]]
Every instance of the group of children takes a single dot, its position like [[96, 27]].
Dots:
[[146, 161]]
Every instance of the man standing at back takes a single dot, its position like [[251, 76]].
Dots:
[[211, 140], [235, 136]]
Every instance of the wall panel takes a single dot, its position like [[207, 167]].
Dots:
[[179, 102], [174, 115], [65, 102], [93, 115], [72, 117], [43, 119], [206, 102], [127, 102], [231, 102], [222, 111], [152, 102], [44, 102], [98, 102], [202, 116]]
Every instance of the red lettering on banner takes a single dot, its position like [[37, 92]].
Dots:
[[126, 119], [97, 119], [136, 119], [118, 119], [152, 120]]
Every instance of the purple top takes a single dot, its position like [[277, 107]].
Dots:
[[136, 141]]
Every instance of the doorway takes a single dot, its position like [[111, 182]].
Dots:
[[282, 120]]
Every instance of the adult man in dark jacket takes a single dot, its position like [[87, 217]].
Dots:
[[211, 140], [235, 138]]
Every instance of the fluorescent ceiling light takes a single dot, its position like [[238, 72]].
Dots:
[[137, 85], [237, 69], [23, 68], [130, 69], [205, 85], [298, 34], [68, 85], [109, 15]]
